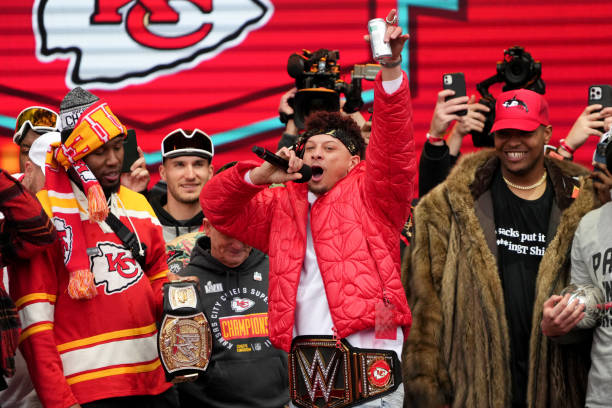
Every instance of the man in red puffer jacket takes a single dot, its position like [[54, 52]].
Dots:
[[333, 244]]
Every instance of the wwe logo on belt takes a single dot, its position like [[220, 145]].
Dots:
[[318, 378], [115, 43]]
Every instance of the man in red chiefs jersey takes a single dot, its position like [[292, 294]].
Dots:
[[89, 304]]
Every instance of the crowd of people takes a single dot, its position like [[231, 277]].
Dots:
[[308, 299]]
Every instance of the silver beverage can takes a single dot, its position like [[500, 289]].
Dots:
[[380, 49]]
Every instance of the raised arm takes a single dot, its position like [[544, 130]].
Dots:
[[240, 208], [391, 162]]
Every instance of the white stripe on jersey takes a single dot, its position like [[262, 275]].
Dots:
[[130, 351], [36, 313]]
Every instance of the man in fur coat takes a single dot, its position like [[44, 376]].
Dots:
[[491, 245]]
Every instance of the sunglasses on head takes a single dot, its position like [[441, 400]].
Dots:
[[179, 143], [36, 118]]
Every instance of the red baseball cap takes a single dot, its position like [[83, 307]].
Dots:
[[520, 109]]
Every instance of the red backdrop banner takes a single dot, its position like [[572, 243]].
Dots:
[[221, 66]]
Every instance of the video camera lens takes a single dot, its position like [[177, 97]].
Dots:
[[295, 66], [517, 72], [520, 70]]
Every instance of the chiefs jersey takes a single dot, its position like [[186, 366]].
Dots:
[[85, 350]]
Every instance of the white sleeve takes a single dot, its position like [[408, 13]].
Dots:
[[580, 269], [393, 85], [247, 177]]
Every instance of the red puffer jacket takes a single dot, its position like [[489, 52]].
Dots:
[[355, 226]]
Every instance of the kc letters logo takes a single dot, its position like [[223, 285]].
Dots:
[[115, 43], [114, 267]]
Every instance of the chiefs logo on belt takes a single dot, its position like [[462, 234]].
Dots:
[[379, 373], [114, 267], [144, 38]]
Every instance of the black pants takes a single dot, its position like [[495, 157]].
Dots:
[[168, 399]]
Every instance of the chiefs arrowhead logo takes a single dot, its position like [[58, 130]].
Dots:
[[115, 43], [379, 373], [64, 232], [114, 267], [242, 304]]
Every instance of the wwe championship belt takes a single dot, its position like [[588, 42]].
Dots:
[[327, 373], [184, 339]]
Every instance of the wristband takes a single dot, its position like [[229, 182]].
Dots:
[[285, 117], [434, 139], [555, 154], [566, 147], [391, 64]]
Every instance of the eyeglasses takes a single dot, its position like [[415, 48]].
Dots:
[[178, 143], [38, 119]]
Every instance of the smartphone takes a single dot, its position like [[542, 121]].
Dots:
[[601, 94], [599, 155], [456, 82], [130, 150]]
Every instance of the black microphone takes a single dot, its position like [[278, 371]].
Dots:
[[279, 162]]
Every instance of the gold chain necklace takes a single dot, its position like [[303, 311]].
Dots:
[[531, 187]]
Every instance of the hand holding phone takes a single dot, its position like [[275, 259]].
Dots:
[[602, 95], [456, 82], [130, 151]]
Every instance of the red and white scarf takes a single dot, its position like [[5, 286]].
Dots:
[[96, 126]]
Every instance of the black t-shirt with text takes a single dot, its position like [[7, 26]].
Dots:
[[520, 229]]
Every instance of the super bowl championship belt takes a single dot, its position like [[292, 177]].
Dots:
[[184, 338], [326, 373]]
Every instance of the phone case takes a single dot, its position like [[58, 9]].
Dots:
[[601, 94], [130, 151], [456, 82]]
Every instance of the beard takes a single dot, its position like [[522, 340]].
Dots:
[[183, 198], [109, 190]]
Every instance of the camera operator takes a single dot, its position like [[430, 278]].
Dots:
[[439, 156]]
